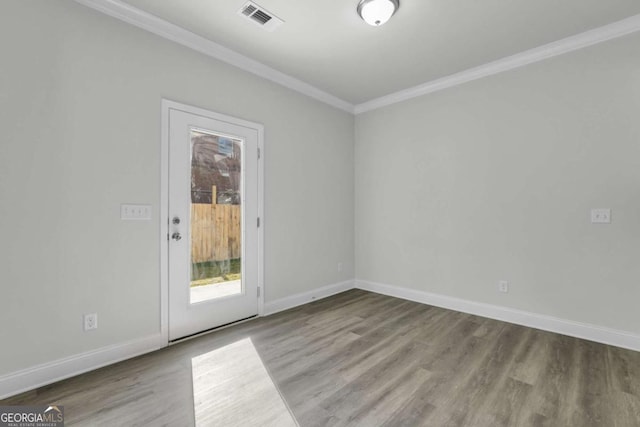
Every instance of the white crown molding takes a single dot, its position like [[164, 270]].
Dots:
[[569, 44], [167, 30], [306, 297], [600, 334]]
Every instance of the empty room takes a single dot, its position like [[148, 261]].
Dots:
[[320, 213]]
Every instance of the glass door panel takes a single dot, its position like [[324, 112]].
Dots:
[[216, 216]]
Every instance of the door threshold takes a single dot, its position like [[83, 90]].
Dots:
[[208, 331]]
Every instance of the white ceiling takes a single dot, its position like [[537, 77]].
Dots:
[[325, 44]]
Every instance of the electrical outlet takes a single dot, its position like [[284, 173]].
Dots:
[[503, 286], [601, 216], [339, 267], [90, 321]]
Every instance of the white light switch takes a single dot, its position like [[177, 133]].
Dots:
[[135, 212], [601, 216]]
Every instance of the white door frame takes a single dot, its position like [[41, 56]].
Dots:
[[168, 105]]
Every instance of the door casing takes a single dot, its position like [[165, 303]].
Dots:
[[168, 105]]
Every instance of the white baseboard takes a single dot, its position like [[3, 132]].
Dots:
[[47, 373], [624, 339], [306, 297]]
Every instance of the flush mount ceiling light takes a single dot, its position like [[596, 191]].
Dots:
[[377, 12]]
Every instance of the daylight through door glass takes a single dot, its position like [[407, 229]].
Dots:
[[216, 216]]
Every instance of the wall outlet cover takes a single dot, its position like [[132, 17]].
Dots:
[[601, 216], [90, 321], [503, 286]]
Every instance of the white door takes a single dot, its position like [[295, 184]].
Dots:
[[213, 221]]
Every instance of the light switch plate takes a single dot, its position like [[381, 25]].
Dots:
[[601, 216], [135, 212]]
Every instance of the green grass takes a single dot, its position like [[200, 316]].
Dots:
[[211, 272]]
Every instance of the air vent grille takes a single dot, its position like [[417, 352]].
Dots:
[[248, 10], [260, 16]]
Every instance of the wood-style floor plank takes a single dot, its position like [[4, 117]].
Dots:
[[361, 359]]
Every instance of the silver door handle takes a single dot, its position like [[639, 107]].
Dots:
[[176, 236]]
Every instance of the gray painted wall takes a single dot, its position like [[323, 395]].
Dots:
[[495, 180], [80, 134], [453, 191]]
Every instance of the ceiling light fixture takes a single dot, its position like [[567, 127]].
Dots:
[[377, 12]]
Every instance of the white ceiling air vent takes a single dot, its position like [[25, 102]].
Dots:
[[260, 16]]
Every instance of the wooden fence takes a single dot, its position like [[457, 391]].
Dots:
[[215, 231]]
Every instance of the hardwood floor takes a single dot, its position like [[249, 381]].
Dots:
[[362, 359]]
